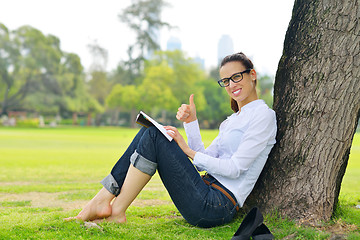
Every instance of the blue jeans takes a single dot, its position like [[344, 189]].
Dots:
[[200, 204]]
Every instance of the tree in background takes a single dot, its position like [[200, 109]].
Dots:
[[169, 79], [126, 98], [155, 90], [265, 86], [217, 106], [186, 74], [11, 94], [317, 103], [143, 17], [29, 62], [38, 77], [99, 86], [74, 90], [98, 83]]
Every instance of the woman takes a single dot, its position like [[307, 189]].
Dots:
[[233, 161]]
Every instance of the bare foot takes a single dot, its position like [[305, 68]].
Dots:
[[93, 211], [121, 218], [99, 207]]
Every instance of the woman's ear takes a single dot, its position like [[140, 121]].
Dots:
[[253, 74]]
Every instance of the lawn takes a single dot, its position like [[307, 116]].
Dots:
[[48, 174]]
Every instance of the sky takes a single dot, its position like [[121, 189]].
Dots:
[[257, 27]]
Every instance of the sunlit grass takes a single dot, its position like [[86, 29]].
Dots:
[[67, 164]]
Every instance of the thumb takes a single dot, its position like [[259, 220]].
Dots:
[[191, 100]]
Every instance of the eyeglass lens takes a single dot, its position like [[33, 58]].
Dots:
[[235, 78]]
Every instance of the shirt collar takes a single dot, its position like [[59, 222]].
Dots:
[[252, 105]]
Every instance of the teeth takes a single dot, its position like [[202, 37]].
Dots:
[[237, 91]]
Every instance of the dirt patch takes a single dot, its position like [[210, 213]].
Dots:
[[56, 200], [52, 200], [149, 202], [41, 200], [340, 227]]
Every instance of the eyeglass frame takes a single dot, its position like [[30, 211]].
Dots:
[[230, 78]]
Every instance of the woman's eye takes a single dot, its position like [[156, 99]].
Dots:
[[236, 77]]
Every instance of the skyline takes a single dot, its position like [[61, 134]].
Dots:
[[255, 30]]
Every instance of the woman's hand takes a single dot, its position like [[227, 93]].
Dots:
[[187, 113], [178, 138]]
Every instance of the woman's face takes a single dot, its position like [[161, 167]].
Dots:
[[244, 91]]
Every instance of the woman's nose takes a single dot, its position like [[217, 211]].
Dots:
[[231, 83]]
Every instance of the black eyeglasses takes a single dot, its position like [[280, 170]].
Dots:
[[236, 77]]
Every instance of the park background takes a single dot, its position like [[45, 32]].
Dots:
[[65, 124], [76, 65]]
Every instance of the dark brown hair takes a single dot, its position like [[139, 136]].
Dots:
[[244, 60]]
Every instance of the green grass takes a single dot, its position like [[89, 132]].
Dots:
[[48, 174], [15, 204]]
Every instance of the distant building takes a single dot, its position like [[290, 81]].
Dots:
[[173, 43], [225, 47], [200, 61]]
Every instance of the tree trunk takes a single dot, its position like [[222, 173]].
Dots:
[[317, 102], [4, 103], [75, 118], [115, 117], [89, 118], [133, 115]]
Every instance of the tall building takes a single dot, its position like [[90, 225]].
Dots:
[[225, 47], [173, 43]]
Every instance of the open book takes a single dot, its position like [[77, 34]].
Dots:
[[147, 121]]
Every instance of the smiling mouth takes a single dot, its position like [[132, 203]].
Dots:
[[237, 92]]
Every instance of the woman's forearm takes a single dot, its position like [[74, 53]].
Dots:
[[189, 152]]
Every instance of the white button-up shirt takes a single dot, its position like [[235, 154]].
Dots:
[[238, 154]]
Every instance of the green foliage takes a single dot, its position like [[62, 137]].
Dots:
[[99, 86], [265, 86], [169, 79], [120, 76], [126, 97], [143, 17], [155, 90], [36, 75], [218, 104], [186, 73], [31, 122], [65, 121]]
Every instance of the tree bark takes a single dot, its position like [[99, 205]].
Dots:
[[317, 102]]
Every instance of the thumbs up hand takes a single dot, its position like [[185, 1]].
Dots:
[[187, 112]]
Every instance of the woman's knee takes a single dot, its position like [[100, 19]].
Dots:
[[152, 131]]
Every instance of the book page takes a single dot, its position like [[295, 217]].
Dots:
[[156, 124]]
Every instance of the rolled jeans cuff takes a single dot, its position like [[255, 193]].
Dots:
[[111, 185], [143, 164]]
